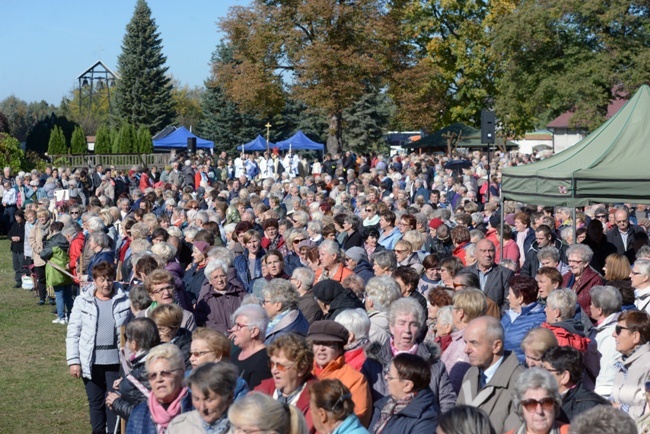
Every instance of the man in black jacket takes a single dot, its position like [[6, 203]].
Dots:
[[565, 364], [620, 235], [544, 237], [493, 278]]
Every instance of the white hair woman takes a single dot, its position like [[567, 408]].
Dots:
[[250, 322], [560, 319], [281, 305], [257, 412], [381, 292], [537, 401]]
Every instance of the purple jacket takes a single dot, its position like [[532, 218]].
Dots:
[[214, 310], [180, 295]]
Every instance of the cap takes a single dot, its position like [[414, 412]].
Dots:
[[356, 253], [328, 331], [202, 246], [436, 223], [327, 290]]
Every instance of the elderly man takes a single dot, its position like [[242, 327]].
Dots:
[[489, 383], [493, 278], [620, 234], [330, 261], [544, 237], [640, 280], [303, 279]]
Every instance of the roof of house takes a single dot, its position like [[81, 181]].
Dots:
[[564, 120]]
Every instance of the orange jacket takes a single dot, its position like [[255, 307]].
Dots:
[[353, 380], [339, 275]]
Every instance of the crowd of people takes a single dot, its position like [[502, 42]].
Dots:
[[357, 294]]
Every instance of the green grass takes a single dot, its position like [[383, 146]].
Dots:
[[37, 394]]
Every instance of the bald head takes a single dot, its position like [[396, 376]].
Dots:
[[485, 252]]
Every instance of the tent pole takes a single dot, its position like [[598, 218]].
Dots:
[[503, 218], [575, 235]]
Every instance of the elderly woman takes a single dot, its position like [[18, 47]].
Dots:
[[606, 302], [381, 292], [141, 336], [213, 390], [275, 266], [617, 267], [548, 279], [632, 336], [581, 277], [168, 319], [168, 397], [371, 244], [443, 327], [405, 322], [167, 254], [93, 355], [281, 305], [292, 258], [384, 263], [272, 239], [332, 408], [560, 319], [537, 401], [330, 261], [407, 257], [259, 413], [218, 298], [535, 344], [411, 405], [291, 361], [36, 240], [249, 263], [160, 286], [353, 237], [449, 268], [194, 276], [437, 298], [464, 419], [328, 339], [407, 279], [98, 243], [524, 313], [248, 331]]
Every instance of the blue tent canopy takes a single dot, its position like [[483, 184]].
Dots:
[[178, 139], [259, 144], [300, 142]]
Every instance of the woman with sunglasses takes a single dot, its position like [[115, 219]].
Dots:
[[632, 334], [537, 402], [291, 361], [168, 398]]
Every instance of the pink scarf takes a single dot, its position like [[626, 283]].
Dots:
[[161, 416], [395, 351]]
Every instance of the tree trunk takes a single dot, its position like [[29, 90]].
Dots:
[[334, 134]]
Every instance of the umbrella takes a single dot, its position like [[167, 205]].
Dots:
[[458, 164]]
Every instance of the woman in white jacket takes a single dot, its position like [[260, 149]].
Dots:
[[92, 348]]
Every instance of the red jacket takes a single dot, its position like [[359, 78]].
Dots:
[[460, 253], [76, 247], [588, 280], [268, 388], [566, 337]]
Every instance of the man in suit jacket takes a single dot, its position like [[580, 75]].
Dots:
[[621, 234], [489, 383], [493, 278]]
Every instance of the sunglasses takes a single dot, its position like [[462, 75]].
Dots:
[[153, 376], [531, 404], [618, 329], [297, 241], [280, 366], [601, 216]]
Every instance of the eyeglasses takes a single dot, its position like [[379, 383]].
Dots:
[[601, 216], [621, 221], [74, 212], [618, 329], [574, 261], [163, 289], [199, 353], [400, 251], [297, 241], [280, 366], [368, 210], [153, 376], [219, 277], [635, 273], [238, 326], [531, 404], [389, 377]]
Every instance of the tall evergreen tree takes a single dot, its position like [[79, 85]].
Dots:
[[127, 140], [143, 95], [57, 144], [145, 145], [78, 143], [103, 140]]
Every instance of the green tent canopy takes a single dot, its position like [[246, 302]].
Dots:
[[612, 164], [470, 138]]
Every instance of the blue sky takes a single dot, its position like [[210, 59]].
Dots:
[[45, 44]]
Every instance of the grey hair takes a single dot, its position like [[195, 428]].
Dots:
[[305, 275], [169, 352], [330, 247], [444, 316], [165, 251], [607, 298], [256, 316], [99, 238], [602, 419], [386, 259], [301, 217], [643, 265], [96, 224], [70, 230], [220, 378], [549, 252], [582, 250], [174, 231], [282, 291], [203, 216], [214, 266], [222, 254], [470, 249], [170, 202], [315, 226], [643, 253], [356, 321], [140, 245], [565, 301], [382, 291], [408, 306], [567, 233], [190, 232], [535, 378]]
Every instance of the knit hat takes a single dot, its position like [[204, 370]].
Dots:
[[202, 246], [436, 223], [510, 219], [327, 290], [356, 253], [328, 331]]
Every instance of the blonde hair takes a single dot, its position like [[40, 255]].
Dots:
[[167, 315], [472, 301], [265, 413], [415, 238], [170, 352]]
